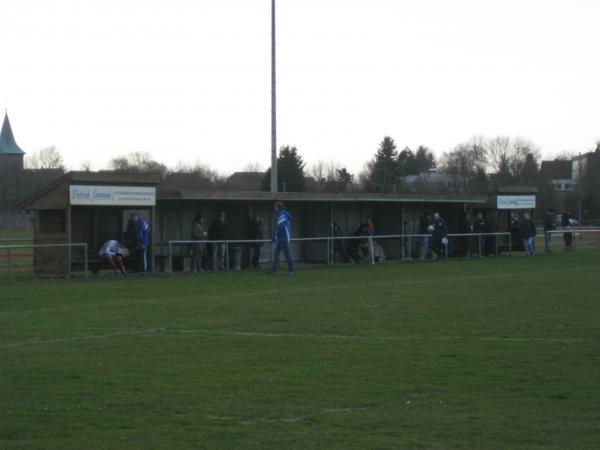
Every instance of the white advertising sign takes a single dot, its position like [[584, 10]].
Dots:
[[516, 202], [112, 195]]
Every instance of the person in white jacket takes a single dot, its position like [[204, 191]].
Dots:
[[114, 252]]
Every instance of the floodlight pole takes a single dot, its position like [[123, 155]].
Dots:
[[273, 103]]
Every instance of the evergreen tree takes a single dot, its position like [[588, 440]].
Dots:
[[424, 159], [530, 171], [383, 171], [290, 172]]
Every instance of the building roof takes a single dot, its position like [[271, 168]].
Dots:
[[8, 146], [557, 169], [342, 197], [103, 177]]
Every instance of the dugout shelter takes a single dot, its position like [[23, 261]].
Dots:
[[92, 207]]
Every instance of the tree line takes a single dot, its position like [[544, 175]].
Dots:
[[477, 166]]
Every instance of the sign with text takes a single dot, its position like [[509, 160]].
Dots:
[[516, 202], [112, 195]]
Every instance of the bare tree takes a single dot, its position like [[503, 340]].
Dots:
[[253, 167], [137, 162], [46, 158], [86, 166]]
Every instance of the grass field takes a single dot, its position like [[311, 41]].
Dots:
[[498, 353]]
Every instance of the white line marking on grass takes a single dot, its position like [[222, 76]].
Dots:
[[295, 335]]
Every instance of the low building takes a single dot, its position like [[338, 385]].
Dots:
[[92, 207]]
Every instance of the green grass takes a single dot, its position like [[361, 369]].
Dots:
[[498, 353], [21, 259]]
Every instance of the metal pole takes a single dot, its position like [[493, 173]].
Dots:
[[227, 255], [371, 249], [496, 242], [273, 102], [510, 244], [85, 261], [170, 256]]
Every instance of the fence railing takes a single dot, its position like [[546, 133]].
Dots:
[[571, 236], [369, 250], [11, 254]]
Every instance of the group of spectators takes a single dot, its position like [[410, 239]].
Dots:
[[433, 230], [219, 229]]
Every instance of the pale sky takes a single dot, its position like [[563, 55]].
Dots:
[[190, 80]]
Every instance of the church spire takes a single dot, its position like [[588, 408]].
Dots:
[[8, 146]]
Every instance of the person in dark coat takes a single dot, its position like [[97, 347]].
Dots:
[[478, 228], [565, 220], [342, 246], [489, 228], [466, 228], [198, 250], [549, 225], [440, 236], [528, 233]]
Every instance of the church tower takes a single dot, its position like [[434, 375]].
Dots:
[[11, 165]]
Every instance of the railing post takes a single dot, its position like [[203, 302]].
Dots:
[[479, 245], [409, 248], [371, 250], [85, 259], [226, 255], [170, 258], [496, 242], [510, 244]]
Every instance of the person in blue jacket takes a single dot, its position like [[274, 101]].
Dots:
[[142, 241], [282, 236]]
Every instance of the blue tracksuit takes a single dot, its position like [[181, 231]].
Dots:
[[282, 236], [142, 237]]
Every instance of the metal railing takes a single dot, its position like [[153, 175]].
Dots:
[[330, 243], [11, 254], [573, 233]]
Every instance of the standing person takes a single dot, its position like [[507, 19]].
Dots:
[[129, 238], [114, 252], [565, 220], [198, 249], [467, 228], [528, 233], [515, 229], [549, 225], [142, 242], [479, 228], [425, 223], [440, 236], [218, 231], [255, 233], [282, 236], [490, 239]]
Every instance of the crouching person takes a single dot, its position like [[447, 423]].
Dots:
[[114, 252]]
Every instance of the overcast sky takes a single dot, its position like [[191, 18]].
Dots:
[[189, 80]]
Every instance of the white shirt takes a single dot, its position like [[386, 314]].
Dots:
[[109, 248]]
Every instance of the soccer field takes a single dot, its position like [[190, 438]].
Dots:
[[496, 353]]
